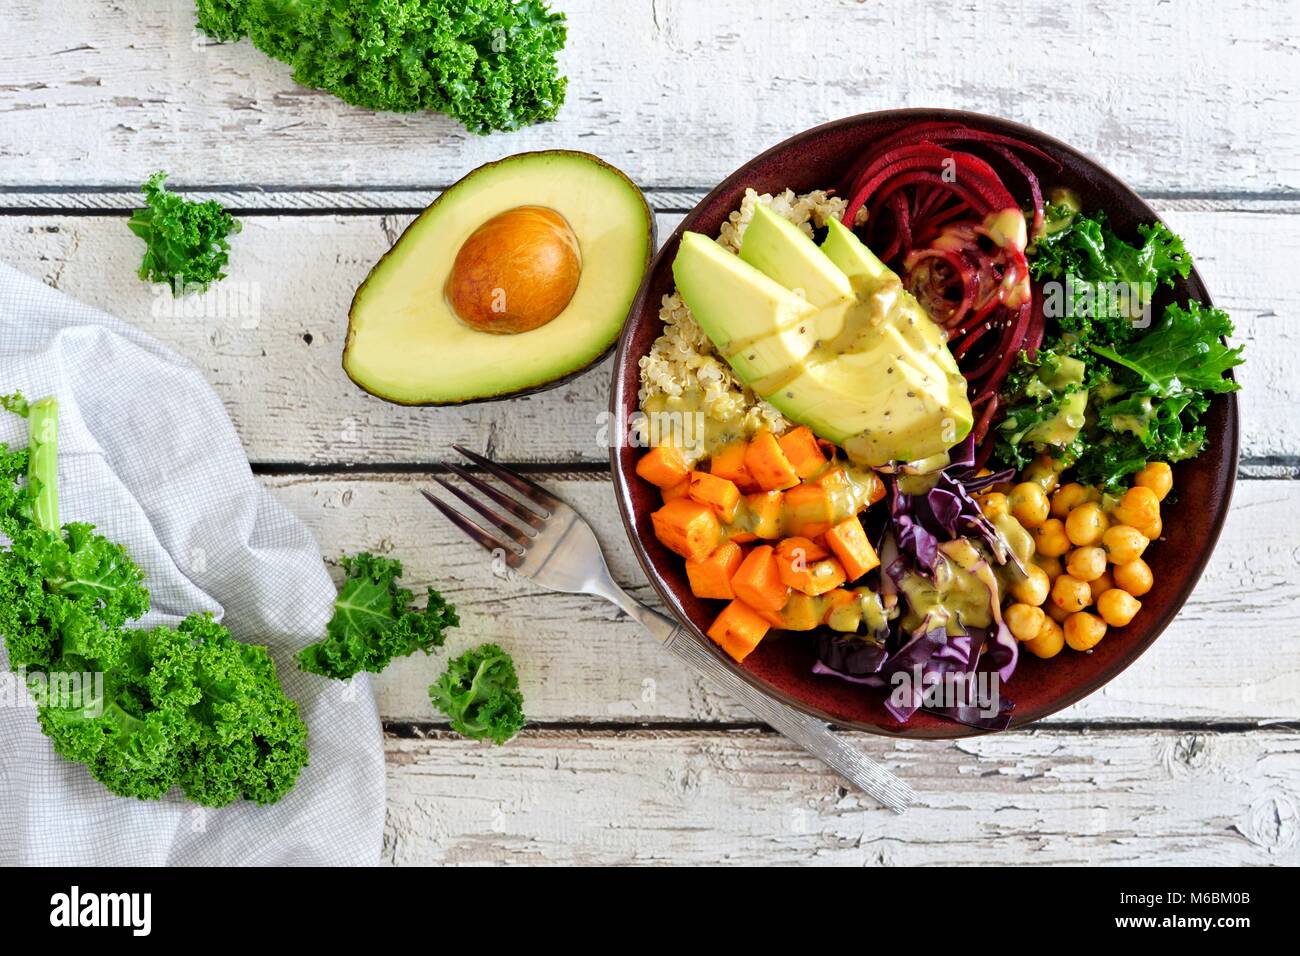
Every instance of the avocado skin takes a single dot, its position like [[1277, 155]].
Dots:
[[651, 246]]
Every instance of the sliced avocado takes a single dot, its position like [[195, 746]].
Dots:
[[851, 255], [738, 307], [783, 252], [406, 344], [870, 372]]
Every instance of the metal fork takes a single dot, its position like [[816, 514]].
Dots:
[[553, 546]]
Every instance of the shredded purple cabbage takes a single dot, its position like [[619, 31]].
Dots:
[[918, 525]]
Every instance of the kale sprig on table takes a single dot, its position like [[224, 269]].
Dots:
[[491, 64]]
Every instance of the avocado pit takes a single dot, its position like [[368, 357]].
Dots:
[[516, 272]]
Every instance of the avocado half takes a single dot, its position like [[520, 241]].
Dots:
[[405, 344]]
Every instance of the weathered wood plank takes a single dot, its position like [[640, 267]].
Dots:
[[1230, 656], [645, 797], [269, 337], [98, 94]]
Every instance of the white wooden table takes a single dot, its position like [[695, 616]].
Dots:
[[1190, 757]]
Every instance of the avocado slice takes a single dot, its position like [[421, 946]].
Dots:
[[782, 251], [406, 344], [868, 370]]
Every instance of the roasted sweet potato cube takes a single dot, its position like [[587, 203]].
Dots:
[[849, 543], [765, 511], [663, 466], [807, 510], [768, 465], [688, 528], [801, 448], [757, 581], [711, 577], [738, 629], [719, 493], [729, 462], [679, 490]]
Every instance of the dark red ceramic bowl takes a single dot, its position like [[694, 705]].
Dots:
[[782, 664]]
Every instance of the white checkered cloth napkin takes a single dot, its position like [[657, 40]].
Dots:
[[148, 454]]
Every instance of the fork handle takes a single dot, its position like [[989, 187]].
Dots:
[[811, 734]]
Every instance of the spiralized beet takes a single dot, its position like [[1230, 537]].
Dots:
[[946, 220]]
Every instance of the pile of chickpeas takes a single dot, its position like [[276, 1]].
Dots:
[[1087, 572]]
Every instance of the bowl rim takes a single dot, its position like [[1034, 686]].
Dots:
[[1228, 447]]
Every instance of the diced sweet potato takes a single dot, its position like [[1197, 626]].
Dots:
[[711, 577], [738, 629], [833, 479], [805, 548], [766, 509], [719, 493], [757, 581], [663, 466], [849, 543], [807, 510], [729, 462], [801, 448], [809, 576], [688, 528], [768, 465], [679, 490]]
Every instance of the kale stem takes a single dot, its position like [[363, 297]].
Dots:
[[43, 462]]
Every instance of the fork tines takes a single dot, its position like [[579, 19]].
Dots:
[[509, 538]]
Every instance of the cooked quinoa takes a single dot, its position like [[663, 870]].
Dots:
[[683, 359]]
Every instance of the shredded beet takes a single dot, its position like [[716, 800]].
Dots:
[[946, 219]]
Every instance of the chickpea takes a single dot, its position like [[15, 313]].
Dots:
[[1024, 620], [1049, 641], [1117, 607], [1050, 538], [1032, 590], [1044, 472], [1101, 585], [1152, 530], [1086, 564], [1052, 567], [1071, 594], [1029, 504], [1056, 612], [1086, 524], [1139, 507], [1157, 476], [1067, 498], [1123, 543], [1084, 631], [994, 504], [1134, 577]]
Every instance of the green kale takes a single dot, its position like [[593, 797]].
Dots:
[[144, 710], [186, 244], [491, 64], [1157, 390], [1103, 285], [479, 691], [374, 622]]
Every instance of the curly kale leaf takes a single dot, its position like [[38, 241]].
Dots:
[[491, 64], [374, 622], [144, 710], [479, 691], [1157, 392], [1102, 284], [186, 242]]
